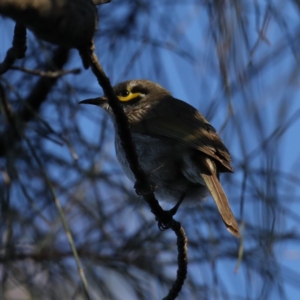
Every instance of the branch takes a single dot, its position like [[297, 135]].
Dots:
[[142, 185], [17, 50], [67, 23], [33, 102], [182, 261], [99, 2], [63, 220], [50, 74]]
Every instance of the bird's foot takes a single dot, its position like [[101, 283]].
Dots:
[[166, 221]]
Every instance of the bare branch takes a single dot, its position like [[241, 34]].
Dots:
[[66, 23], [50, 74], [142, 185], [34, 100], [18, 48]]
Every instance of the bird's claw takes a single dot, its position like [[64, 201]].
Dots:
[[165, 220]]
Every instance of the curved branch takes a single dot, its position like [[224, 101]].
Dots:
[[144, 188]]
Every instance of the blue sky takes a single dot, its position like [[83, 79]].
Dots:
[[269, 96]]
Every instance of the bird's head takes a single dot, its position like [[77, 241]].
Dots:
[[138, 99]]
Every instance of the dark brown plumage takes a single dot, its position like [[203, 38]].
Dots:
[[178, 149]]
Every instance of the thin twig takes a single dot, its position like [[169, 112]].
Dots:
[[63, 219], [50, 74]]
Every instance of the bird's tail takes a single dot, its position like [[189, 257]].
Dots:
[[213, 184]]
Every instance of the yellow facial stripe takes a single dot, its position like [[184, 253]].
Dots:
[[129, 97]]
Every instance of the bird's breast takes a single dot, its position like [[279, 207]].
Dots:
[[167, 166], [156, 156]]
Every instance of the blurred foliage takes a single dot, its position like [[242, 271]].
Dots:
[[238, 63]]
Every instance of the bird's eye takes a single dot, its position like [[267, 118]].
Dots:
[[124, 93], [127, 96]]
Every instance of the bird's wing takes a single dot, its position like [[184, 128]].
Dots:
[[187, 126]]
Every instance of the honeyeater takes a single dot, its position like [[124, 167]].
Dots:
[[178, 149]]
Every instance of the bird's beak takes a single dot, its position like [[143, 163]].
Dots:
[[95, 101]]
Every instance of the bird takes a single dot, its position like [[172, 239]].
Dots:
[[180, 152]]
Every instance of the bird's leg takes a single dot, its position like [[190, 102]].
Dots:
[[166, 220], [174, 209]]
